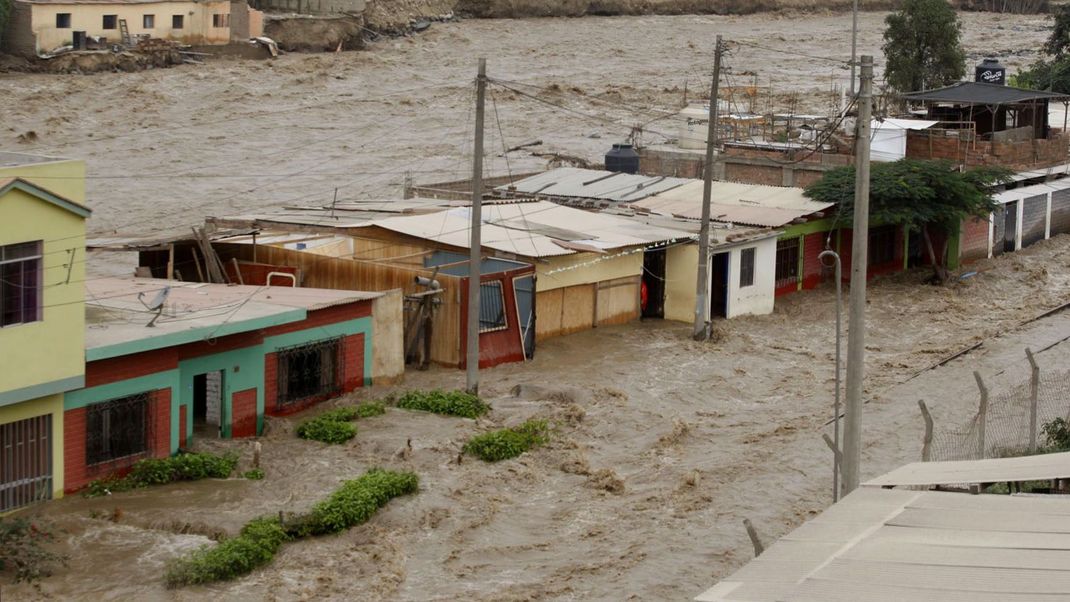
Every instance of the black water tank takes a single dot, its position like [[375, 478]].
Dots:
[[623, 159], [990, 72]]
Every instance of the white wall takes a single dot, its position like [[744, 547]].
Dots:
[[758, 297]]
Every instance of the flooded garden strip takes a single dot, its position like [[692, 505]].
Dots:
[[351, 504], [159, 471], [334, 426], [508, 442], [451, 403]]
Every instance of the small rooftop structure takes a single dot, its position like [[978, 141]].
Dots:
[[978, 93], [883, 545], [745, 204], [576, 183], [990, 109], [1040, 467], [117, 315]]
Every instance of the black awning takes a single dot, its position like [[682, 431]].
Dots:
[[974, 93]]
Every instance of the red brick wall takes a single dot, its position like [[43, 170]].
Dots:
[[353, 374], [813, 244], [973, 242], [1025, 154], [754, 174], [846, 242], [323, 317], [77, 475], [243, 408], [271, 382], [115, 369]]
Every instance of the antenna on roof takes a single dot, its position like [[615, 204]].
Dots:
[[156, 304]]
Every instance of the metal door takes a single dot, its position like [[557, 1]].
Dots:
[[25, 462], [524, 289]]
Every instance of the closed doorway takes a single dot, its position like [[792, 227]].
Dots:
[[719, 286], [25, 462]]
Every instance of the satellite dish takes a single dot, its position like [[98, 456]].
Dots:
[[156, 304]]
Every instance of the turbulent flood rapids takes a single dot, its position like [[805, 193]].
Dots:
[[661, 445]]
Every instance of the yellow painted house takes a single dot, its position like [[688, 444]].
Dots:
[[42, 323]]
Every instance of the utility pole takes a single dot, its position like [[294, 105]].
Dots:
[[854, 44], [856, 329], [702, 288], [476, 242]]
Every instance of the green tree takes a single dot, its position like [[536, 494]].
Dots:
[[5, 15], [923, 196], [1059, 40], [921, 46], [1052, 74]]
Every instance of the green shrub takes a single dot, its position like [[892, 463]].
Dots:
[[22, 551], [255, 546], [351, 504], [372, 408], [1057, 433], [327, 428], [453, 403], [507, 443], [344, 414], [159, 471], [254, 475]]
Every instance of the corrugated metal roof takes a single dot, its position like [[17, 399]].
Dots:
[[574, 182], [533, 229], [892, 545], [747, 204], [1017, 194], [1025, 468], [978, 93]]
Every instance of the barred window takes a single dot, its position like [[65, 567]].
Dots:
[[309, 371], [746, 267], [20, 283], [117, 428], [787, 262], [491, 307]]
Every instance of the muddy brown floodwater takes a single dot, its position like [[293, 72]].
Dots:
[[661, 447]]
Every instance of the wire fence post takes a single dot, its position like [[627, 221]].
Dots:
[[982, 415], [927, 441], [1034, 388]]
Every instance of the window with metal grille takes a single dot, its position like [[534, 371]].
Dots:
[[117, 429], [746, 267], [20, 283], [491, 307], [25, 462], [63, 20], [220, 20], [787, 262], [309, 371], [881, 245]]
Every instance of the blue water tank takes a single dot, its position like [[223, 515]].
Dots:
[[622, 158]]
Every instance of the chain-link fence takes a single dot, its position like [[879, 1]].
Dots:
[[1009, 422]]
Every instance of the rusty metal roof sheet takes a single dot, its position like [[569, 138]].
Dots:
[[888, 545]]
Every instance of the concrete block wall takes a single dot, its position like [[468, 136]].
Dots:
[[1060, 212], [1034, 219]]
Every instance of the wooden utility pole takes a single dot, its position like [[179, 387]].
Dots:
[[702, 287], [476, 242], [856, 325]]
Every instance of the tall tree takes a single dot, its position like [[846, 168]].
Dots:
[[923, 196], [921, 46], [1052, 74]]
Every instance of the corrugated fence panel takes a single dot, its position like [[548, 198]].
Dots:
[[1060, 212], [1034, 219]]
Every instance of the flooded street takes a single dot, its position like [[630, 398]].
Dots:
[[166, 147], [661, 447]]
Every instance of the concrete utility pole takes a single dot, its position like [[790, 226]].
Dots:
[[475, 241], [702, 288], [854, 44], [856, 328]]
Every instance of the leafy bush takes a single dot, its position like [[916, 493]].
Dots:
[[372, 408], [329, 427], [507, 443], [254, 475], [1057, 433], [159, 471], [353, 503], [255, 546], [22, 550], [453, 403]]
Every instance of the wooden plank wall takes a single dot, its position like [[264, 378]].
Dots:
[[319, 271], [575, 308]]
